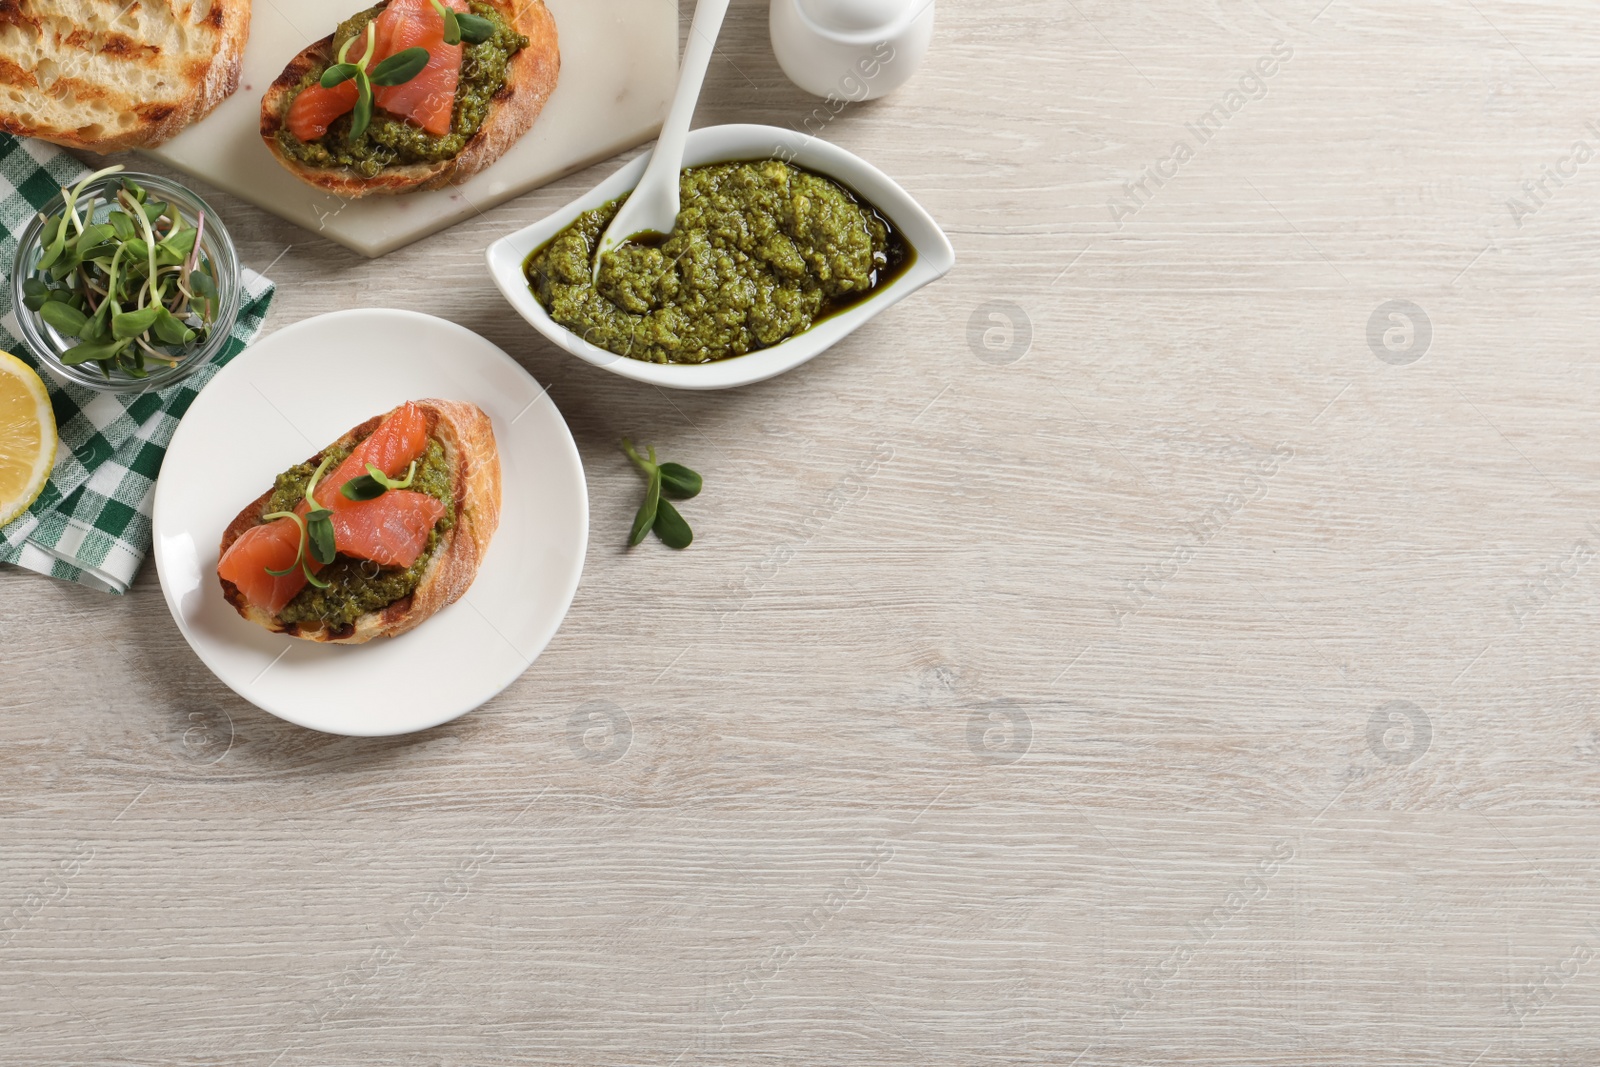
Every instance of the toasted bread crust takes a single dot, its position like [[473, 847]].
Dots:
[[468, 439], [105, 85], [530, 78]]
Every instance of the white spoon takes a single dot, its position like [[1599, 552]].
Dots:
[[653, 205]]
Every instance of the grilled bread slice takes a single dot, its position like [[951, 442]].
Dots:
[[531, 76], [469, 447], [110, 74]]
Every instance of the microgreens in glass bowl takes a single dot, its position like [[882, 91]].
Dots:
[[125, 281]]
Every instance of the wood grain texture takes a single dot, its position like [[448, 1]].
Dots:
[[1192, 687]]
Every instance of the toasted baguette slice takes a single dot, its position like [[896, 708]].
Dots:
[[469, 447], [109, 74], [530, 77]]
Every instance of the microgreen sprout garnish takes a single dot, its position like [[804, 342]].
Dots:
[[319, 520], [374, 483], [316, 531], [657, 513], [132, 288], [460, 26], [396, 70], [300, 552]]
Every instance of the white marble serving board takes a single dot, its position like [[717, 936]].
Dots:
[[619, 65]]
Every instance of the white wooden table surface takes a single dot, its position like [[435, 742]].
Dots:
[[1201, 670]]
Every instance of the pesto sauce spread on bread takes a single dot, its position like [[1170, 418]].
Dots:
[[392, 141], [356, 586]]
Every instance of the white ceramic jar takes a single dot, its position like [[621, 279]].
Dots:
[[850, 49]]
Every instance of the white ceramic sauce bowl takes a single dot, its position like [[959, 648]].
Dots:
[[722, 144]]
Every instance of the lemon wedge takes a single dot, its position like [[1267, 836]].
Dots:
[[27, 437]]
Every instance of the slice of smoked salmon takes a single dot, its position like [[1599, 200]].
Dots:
[[386, 527], [429, 99], [392, 530], [314, 108], [275, 545], [399, 439]]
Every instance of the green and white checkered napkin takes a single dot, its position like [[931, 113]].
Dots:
[[91, 524]]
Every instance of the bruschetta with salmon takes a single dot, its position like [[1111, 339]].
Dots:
[[372, 535], [412, 94]]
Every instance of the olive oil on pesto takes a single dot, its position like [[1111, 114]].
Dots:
[[390, 140], [355, 586], [761, 251]]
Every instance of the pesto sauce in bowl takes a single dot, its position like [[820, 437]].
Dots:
[[393, 141], [761, 251], [356, 586]]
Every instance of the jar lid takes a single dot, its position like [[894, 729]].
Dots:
[[854, 16]]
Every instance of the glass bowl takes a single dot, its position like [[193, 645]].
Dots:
[[216, 247]]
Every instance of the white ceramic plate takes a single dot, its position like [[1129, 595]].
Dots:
[[719, 144], [288, 396]]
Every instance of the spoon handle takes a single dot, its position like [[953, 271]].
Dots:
[[653, 204], [708, 16]]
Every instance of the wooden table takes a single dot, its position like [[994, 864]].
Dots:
[[1169, 639]]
